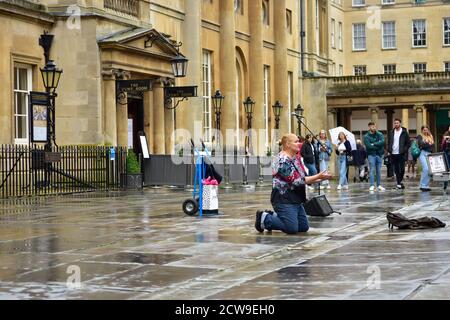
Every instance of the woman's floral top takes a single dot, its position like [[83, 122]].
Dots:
[[288, 183]]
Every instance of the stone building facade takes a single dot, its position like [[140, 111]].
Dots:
[[345, 61], [243, 48]]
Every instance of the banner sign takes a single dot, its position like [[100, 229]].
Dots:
[[180, 92]]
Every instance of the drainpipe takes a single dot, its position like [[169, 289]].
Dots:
[[302, 36]]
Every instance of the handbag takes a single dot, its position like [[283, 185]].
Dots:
[[415, 150]]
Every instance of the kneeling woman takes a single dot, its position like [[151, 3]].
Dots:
[[288, 193]]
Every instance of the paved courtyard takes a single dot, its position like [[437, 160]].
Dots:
[[140, 245]]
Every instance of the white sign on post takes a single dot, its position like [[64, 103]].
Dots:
[[144, 147], [437, 163], [130, 133]]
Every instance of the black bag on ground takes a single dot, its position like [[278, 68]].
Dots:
[[319, 207], [400, 221]]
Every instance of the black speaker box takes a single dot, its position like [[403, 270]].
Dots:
[[318, 206]]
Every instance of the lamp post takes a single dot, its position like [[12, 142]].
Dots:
[[248, 106], [299, 112], [277, 107], [50, 77], [217, 100], [179, 66]]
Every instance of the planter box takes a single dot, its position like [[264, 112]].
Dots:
[[132, 181]]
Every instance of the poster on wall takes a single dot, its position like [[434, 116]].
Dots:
[[39, 102]]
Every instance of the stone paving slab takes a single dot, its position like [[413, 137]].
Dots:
[[139, 245]]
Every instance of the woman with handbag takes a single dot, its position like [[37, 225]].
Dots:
[[426, 145], [288, 191], [343, 150]]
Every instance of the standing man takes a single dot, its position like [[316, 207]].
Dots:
[[374, 142], [398, 146]]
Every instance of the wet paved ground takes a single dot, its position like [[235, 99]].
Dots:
[[141, 246]]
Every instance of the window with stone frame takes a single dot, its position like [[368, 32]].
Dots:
[[333, 33], [207, 92], [419, 33], [359, 36], [22, 87], [389, 35], [359, 70], [266, 102], [390, 69], [447, 66], [420, 67], [446, 31], [358, 3]]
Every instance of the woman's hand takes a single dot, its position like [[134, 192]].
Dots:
[[324, 175]]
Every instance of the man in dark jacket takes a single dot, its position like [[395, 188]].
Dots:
[[310, 156], [374, 142], [398, 146]]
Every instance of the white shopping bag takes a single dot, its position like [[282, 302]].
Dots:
[[210, 197]]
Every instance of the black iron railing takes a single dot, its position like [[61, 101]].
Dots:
[[30, 170]]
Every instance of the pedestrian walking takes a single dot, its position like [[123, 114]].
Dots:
[[426, 145], [445, 148], [411, 161], [288, 191], [374, 142], [398, 146], [324, 147], [343, 150], [360, 160]]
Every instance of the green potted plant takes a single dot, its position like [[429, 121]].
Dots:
[[134, 174]]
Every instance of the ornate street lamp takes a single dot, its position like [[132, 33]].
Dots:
[[277, 107], [249, 105], [299, 112], [179, 66], [50, 76], [217, 100]]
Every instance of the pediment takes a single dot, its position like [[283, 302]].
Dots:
[[145, 41]]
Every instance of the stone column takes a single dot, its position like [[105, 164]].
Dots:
[[281, 71], [158, 118], [256, 65], [122, 123], [148, 120], [168, 127], [228, 71], [405, 118], [389, 120], [332, 120], [425, 116], [109, 109], [348, 119], [419, 108], [190, 112], [374, 114]]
